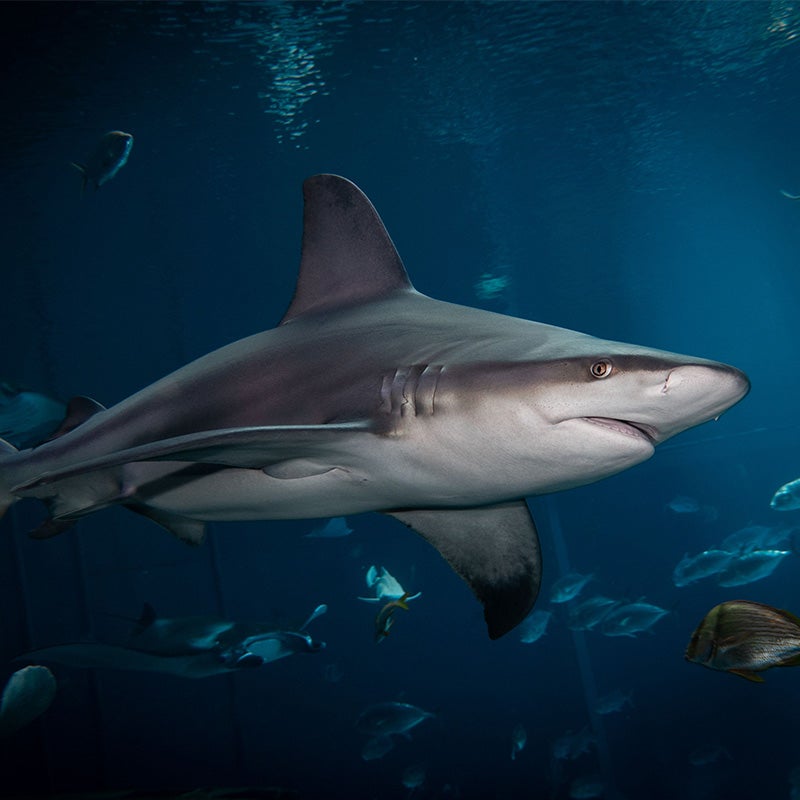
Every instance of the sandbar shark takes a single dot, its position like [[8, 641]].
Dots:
[[370, 396]]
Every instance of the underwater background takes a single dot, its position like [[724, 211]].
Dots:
[[611, 167]]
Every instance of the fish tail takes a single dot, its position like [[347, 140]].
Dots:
[[82, 169], [7, 454]]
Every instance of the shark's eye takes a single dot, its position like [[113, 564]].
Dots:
[[601, 369]]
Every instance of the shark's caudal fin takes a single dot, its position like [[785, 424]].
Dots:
[[347, 254], [495, 549]]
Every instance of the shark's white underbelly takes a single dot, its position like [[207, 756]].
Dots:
[[424, 468]]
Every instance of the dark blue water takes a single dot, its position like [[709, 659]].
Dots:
[[617, 165]]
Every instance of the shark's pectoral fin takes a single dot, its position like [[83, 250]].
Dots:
[[256, 447], [495, 549]]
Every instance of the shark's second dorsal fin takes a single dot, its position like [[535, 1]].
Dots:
[[347, 256], [79, 409]]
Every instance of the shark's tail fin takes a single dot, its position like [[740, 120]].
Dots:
[[7, 452]]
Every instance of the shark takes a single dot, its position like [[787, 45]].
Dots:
[[371, 396], [186, 647]]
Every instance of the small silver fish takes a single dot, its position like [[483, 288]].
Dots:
[[705, 754], [413, 776], [632, 618], [106, 160], [787, 497], [28, 418], [751, 567], [534, 626], [693, 568], [568, 586], [334, 528], [390, 718], [586, 786], [519, 738], [27, 694], [613, 701], [587, 614]]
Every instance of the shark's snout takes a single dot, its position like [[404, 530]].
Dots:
[[697, 393]]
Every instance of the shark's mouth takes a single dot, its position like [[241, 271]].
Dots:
[[637, 430]]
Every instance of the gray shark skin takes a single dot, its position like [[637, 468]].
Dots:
[[370, 396]]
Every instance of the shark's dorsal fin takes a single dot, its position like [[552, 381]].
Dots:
[[347, 254]]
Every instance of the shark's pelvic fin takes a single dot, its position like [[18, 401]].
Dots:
[[347, 255], [495, 549], [189, 530]]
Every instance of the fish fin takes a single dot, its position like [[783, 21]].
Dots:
[[50, 528], [74, 498], [347, 255], [247, 448], [747, 674], [495, 549], [790, 616], [369, 599], [84, 174], [792, 661], [7, 499], [402, 602], [191, 531], [146, 619], [79, 409], [315, 614]]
